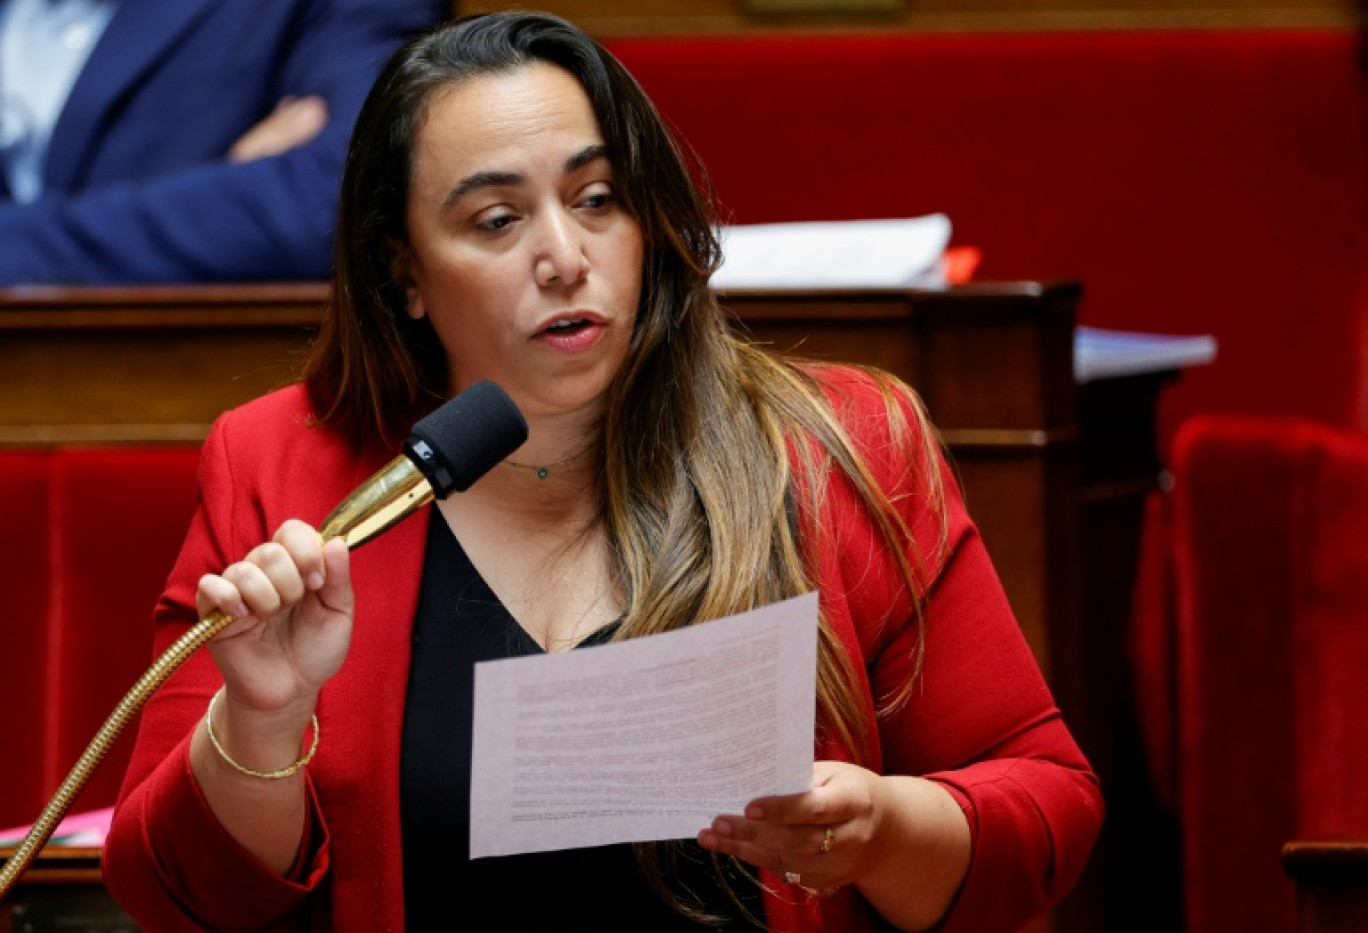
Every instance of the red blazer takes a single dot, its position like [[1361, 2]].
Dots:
[[981, 721]]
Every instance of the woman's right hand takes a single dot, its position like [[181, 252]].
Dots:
[[292, 604]]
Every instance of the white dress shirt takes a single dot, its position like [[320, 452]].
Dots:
[[44, 44]]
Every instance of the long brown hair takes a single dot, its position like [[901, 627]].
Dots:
[[713, 451]]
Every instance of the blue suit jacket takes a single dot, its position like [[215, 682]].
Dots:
[[135, 186]]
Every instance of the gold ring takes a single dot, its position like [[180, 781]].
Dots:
[[827, 841]]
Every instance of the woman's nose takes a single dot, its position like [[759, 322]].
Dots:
[[560, 258]]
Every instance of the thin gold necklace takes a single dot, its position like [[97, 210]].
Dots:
[[545, 470]]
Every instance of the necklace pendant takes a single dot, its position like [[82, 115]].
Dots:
[[543, 472]]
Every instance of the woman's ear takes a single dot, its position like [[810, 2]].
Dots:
[[401, 271]]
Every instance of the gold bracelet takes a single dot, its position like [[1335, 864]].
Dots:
[[264, 775]]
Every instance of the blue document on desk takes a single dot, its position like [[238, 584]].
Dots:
[[1105, 354]]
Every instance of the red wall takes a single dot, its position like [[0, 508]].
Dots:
[[1195, 182]]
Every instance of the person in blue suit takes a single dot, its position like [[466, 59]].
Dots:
[[201, 140]]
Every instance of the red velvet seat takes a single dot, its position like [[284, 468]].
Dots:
[[1269, 545], [89, 536], [24, 556]]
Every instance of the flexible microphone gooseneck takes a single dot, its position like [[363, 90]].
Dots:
[[446, 452]]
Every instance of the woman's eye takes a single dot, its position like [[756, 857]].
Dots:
[[495, 222], [597, 200]]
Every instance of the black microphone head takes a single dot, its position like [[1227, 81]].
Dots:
[[465, 438]]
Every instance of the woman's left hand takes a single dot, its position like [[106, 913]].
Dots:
[[902, 840], [817, 839]]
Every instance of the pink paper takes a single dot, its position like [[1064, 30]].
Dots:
[[78, 829]]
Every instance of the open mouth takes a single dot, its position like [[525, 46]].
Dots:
[[562, 328]]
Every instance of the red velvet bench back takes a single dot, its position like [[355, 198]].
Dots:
[[87, 540], [1195, 181]]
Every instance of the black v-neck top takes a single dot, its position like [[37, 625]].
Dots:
[[459, 622]]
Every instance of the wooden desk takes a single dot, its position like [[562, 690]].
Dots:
[[63, 890], [1332, 884], [128, 365], [1054, 473]]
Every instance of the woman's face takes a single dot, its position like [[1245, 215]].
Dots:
[[519, 250]]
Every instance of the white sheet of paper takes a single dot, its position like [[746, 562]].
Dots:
[[645, 739], [834, 254]]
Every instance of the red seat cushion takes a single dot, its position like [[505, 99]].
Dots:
[[121, 514], [89, 538], [1271, 574], [25, 549]]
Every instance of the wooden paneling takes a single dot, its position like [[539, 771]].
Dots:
[[608, 18], [120, 365]]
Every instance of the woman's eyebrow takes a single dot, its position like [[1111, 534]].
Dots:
[[489, 179], [496, 179], [585, 156]]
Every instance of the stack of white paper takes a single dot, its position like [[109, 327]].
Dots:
[[1100, 354], [834, 254]]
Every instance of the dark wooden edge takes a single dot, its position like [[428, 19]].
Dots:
[[158, 306], [1336, 860], [301, 303], [968, 305], [106, 296], [60, 865]]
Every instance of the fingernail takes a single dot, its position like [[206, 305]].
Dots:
[[755, 812], [314, 581], [723, 828]]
